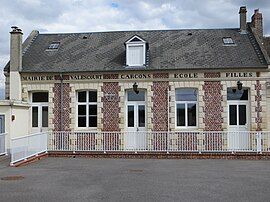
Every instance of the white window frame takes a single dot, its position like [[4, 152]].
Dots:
[[186, 111], [131, 43], [87, 103], [39, 105]]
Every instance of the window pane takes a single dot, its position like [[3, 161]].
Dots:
[[141, 114], [44, 116], [135, 55], [92, 121], [132, 96], [233, 114], [186, 94], [180, 114], [92, 96], [242, 115], [92, 109], [34, 116], [40, 97], [81, 109], [82, 96], [82, 121], [235, 94], [191, 114], [130, 116]]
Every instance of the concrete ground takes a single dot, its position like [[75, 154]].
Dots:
[[86, 179]]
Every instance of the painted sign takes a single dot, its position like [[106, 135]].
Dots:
[[135, 76]]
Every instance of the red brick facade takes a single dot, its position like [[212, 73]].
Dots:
[[111, 107], [160, 103], [212, 99], [66, 120], [258, 109]]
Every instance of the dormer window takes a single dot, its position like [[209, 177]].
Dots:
[[135, 52], [54, 45], [228, 41]]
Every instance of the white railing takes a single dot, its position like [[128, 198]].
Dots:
[[3, 149], [28, 146], [160, 141], [24, 147]]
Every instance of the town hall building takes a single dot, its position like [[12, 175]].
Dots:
[[184, 81]]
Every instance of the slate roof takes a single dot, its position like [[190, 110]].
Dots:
[[168, 49], [266, 42]]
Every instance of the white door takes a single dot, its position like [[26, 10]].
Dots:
[[238, 136], [39, 112], [135, 136]]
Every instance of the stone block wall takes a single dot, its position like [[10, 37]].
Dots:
[[200, 104], [142, 85], [28, 88], [75, 87]]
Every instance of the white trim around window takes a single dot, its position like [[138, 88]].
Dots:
[[188, 121], [83, 111]]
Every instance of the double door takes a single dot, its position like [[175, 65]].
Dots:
[[238, 125], [136, 135], [39, 117]]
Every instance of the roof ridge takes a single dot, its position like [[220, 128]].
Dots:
[[146, 30]]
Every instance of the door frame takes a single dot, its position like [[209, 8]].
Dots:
[[237, 103], [39, 105], [135, 104], [3, 123]]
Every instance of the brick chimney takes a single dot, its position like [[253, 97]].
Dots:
[[243, 19], [15, 63], [257, 23]]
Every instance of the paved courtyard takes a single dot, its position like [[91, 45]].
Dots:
[[86, 179]]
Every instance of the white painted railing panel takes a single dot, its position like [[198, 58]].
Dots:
[[209, 141], [3, 149], [28, 146]]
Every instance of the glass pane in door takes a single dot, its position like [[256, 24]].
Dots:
[[233, 114], [132, 96], [242, 115], [34, 116], [181, 120], [130, 116], [191, 114], [44, 116], [141, 114]]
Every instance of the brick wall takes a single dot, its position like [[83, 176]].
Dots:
[[258, 108], [160, 103], [110, 102], [213, 103], [57, 107]]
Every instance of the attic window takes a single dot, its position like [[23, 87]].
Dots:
[[54, 45], [228, 41], [135, 52]]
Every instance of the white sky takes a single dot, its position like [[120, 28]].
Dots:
[[103, 15]]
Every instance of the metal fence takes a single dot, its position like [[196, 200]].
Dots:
[[160, 141], [31, 145], [3, 149], [28, 146]]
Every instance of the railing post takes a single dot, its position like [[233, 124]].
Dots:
[[200, 137], [168, 141], [259, 142]]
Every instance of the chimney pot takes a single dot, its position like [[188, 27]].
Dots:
[[243, 19], [257, 23], [15, 63]]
